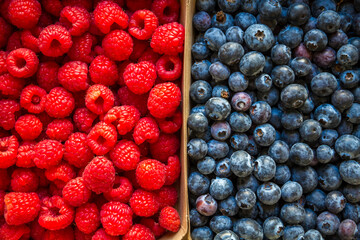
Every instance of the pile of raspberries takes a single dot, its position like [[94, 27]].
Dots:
[[89, 118]]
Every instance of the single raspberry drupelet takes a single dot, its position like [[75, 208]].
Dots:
[[99, 99], [150, 174], [75, 19], [75, 192], [54, 41], [83, 119], [121, 192], [116, 218], [55, 214], [123, 117], [149, 55], [102, 235], [125, 155], [9, 148], [127, 97], [166, 10], [14, 232], [99, 175], [139, 232], [60, 129], [29, 38], [173, 170], [169, 219], [146, 130], [61, 234], [118, 45], [3, 56], [167, 196], [4, 179], [169, 68], [33, 99], [109, 16], [59, 103], [76, 151], [144, 203], [139, 4], [73, 76], [11, 86], [28, 127], [26, 154], [168, 39], [21, 208], [6, 30], [47, 75], [60, 174], [48, 153], [103, 71], [102, 138], [24, 13], [83, 48], [164, 99], [153, 226], [140, 77], [166, 146], [87, 218], [143, 24], [170, 124], [22, 63], [24, 180], [52, 6], [7, 113]]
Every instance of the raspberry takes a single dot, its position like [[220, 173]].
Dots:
[[121, 69], [9, 147], [78, 3], [24, 13], [48, 153], [55, 214], [60, 129], [8, 232], [118, 45], [29, 39], [4, 179], [6, 31], [47, 75], [75, 192], [2, 203], [127, 97], [116, 218], [79, 235], [166, 10], [121, 192], [167, 196], [138, 49], [142, 24], [37, 231], [169, 219], [54, 41], [123, 117], [22, 63], [170, 124], [7, 113], [25, 155], [125, 155], [168, 39], [102, 138], [164, 99], [87, 218], [150, 174], [149, 55], [59, 103], [43, 181], [75, 19], [24, 180], [55, 190], [11, 86], [62, 234], [169, 68], [172, 169], [28, 127], [33, 99], [102, 235], [146, 129], [73, 76], [14, 41], [166, 146], [76, 151], [3, 56], [45, 20], [82, 48], [52, 6], [83, 119], [99, 175], [93, 27], [60, 174], [155, 227], [139, 4], [109, 16], [139, 232], [144, 203], [99, 99], [103, 71], [21, 208], [140, 77]]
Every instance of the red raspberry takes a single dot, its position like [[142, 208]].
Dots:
[[121, 192], [139, 4], [33, 99], [62, 234], [103, 71], [150, 174], [102, 235], [55, 214], [169, 68], [29, 39], [166, 146], [149, 55], [121, 69], [83, 48], [166, 10], [146, 130], [170, 124], [47, 75], [93, 27], [87, 218], [45, 20], [78, 3], [173, 170], [48, 153], [167, 196], [79, 235], [11, 86], [125, 155], [2, 203], [139, 232], [164, 99], [5, 30], [109, 16], [155, 227], [127, 97], [9, 147], [4, 179], [22, 63], [123, 117], [99, 99], [7, 113], [37, 231], [83, 119], [59, 103], [168, 39], [54, 41], [28, 127], [116, 218], [118, 45], [60, 174], [14, 232], [73, 76], [43, 181], [144, 203], [21, 208], [60, 129], [169, 219], [75, 19], [24, 13], [102, 138], [99, 175], [142, 24], [75, 192], [14, 41], [140, 77], [77, 152], [25, 155], [52, 6], [3, 56], [24, 180], [138, 49]]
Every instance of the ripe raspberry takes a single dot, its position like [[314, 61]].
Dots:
[[140, 77], [166, 10], [121, 69], [138, 49], [2, 203], [28, 127], [99, 99], [139, 4], [164, 99], [4, 179], [146, 130], [118, 45], [48, 153], [25, 155], [14, 232], [127, 97], [116, 218], [29, 39], [60, 174], [170, 124], [167, 196], [99, 175], [125, 155], [21, 208], [124, 118], [149, 55], [102, 235], [169, 68], [3, 56], [55, 214], [150, 174], [14, 41], [121, 192], [155, 227], [24, 13], [60, 129], [102, 138], [168, 39], [52, 6], [75, 19], [62, 234], [59, 103], [78, 3], [33, 99], [143, 24], [172, 169], [22, 63], [79, 235], [103, 71], [43, 181], [139, 232], [6, 31], [76, 151], [24, 180], [87, 218], [109, 16], [54, 41], [9, 147], [47, 75], [83, 119], [93, 27], [166, 146], [73, 76], [169, 219], [144, 203], [11, 86], [55, 190], [7, 113], [75, 192], [83, 48]]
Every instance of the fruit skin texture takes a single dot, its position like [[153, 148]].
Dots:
[[150, 174], [146, 18], [116, 218], [87, 218], [169, 219], [168, 39], [144, 203], [138, 232], [166, 146], [76, 150], [18, 70], [73, 76], [102, 138], [48, 153], [59, 103], [118, 45], [140, 78], [28, 127], [146, 130], [125, 155], [24, 13], [75, 192], [103, 70], [99, 99], [54, 33], [107, 13], [123, 117]]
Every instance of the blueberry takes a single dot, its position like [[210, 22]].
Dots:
[[337, 39], [292, 213], [315, 40], [316, 200], [217, 149], [290, 137], [318, 6], [245, 198], [206, 136], [306, 176], [228, 207], [196, 219], [238, 82], [302, 51], [348, 55], [327, 115], [219, 71], [328, 137], [356, 92], [221, 188], [310, 24], [250, 6], [220, 223], [206, 205], [301, 66], [241, 163], [266, 211], [198, 184], [221, 130], [345, 21], [252, 63], [282, 76], [229, 6], [206, 166], [348, 147], [273, 228], [260, 112], [206, 5], [263, 82], [197, 122], [345, 127], [264, 135], [291, 191], [347, 229], [214, 38], [353, 113], [291, 36], [201, 21], [329, 21], [310, 130], [298, 14], [235, 34], [222, 168], [351, 211], [221, 91], [282, 19], [268, 65], [310, 220], [308, 106], [269, 8], [249, 213], [240, 122], [335, 202], [329, 177], [269, 193], [350, 171], [356, 42], [349, 78], [293, 232], [222, 21], [352, 193], [226, 235], [327, 223], [249, 229], [324, 84], [217, 108], [342, 99], [276, 115], [356, 131], [244, 20], [247, 182], [200, 70], [197, 149], [271, 97], [282, 174], [239, 141], [200, 51], [230, 53], [264, 168], [202, 233], [291, 119], [293, 96], [259, 37]]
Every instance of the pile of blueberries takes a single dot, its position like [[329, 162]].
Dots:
[[275, 121]]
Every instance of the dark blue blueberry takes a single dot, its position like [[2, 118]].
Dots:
[[260, 112], [206, 5], [252, 63], [206, 136], [238, 82], [264, 135], [345, 21], [282, 174], [350, 171], [342, 99], [235, 34], [222, 168], [282, 19], [197, 122], [241, 101], [206, 205], [316, 200], [263, 83], [348, 55], [269, 8], [249, 213], [301, 66], [356, 24], [206, 166], [202, 233], [347, 229], [352, 193], [324, 154], [329, 177], [266, 211], [239, 141], [214, 38], [220, 223], [315, 40], [327, 223], [310, 130], [306, 176], [348, 147], [349, 78], [264, 168], [217, 149], [290, 137], [226, 235], [356, 131], [221, 91], [298, 14], [347, 7], [268, 65], [327, 115], [229, 6], [280, 54], [248, 228], [291, 36], [311, 24], [268, 193], [351, 211], [250, 6], [214, 57], [273, 228], [198, 184], [200, 70], [324, 84], [222, 21], [335, 202], [308, 106], [328, 137], [219, 71], [293, 95], [292, 213], [328, 21], [201, 21], [217, 108], [241, 163], [230, 53], [220, 130], [337, 39], [259, 37], [353, 113], [275, 119], [271, 97], [282, 76], [345, 127], [356, 42], [309, 221], [245, 198], [240, 122], [291, 119], [247, 182], [318, 6], [196, 219], [200, 51], [293, 232], [228, 207], [244, 20], [197, 149], [291, 191], [325, 58]]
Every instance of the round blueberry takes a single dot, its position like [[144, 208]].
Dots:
[[206, 166], [198, 184], [239, 141], [244, 20], [241, 101], [279, 151], [206, 205], [264, 135], [229, 6], [238, 82], [327, 115], [306, 176], [240, 122], [222, 21], [228, 207], [197, 122], [230, 53], [293, 232], [310, 220], [310, 130], [252, 63], [298, 13], [269, 193], [350, 172], [263, 83], [222, 168], [282, 174], [259, 37], [245, 198], [196, 219], [348, 55], [221, 188], [348, 147], [327, 223], [200, 70], [217, 149], [342, 99], [241, 163], [226, 235], [282, 76], [291, 36], [335, 202], [324, 84], [260, 112], [292, 213], [329, 177], [214, 38], [220, 223], [315, 40], [248, 228], [273, 228], [202, 233], [201, 21], [280, 54], [217, 108], [235, 34], [291, 191], [197, 149], [291, 119]]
